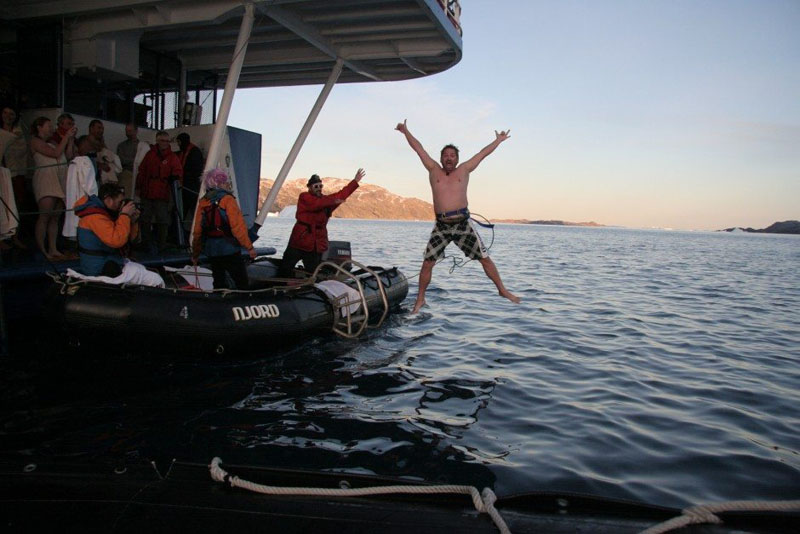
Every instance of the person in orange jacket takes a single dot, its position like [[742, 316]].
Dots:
[[309, 237], [105, 228], [221, 232]]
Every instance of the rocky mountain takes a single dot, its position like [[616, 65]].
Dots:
[[368, 202], [784, 227]]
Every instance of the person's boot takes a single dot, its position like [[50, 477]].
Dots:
[[162, 236], [147, 244]]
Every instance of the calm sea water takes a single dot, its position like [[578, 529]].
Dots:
[[657, 366]]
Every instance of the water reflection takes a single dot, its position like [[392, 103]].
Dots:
[[328, 407]]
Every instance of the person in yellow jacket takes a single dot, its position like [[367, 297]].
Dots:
[[221, 232]]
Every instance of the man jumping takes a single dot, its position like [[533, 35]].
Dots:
[[449, 183]]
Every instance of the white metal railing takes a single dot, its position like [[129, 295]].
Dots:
[[352, 323]]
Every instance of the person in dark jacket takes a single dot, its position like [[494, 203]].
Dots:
[[192, 161], [309, 237], [221, 232]]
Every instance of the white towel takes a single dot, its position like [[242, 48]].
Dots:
[[132, 274], [112, 160], [203, 279], [80, 182], [141, 152], [335, 289], [8, 211]]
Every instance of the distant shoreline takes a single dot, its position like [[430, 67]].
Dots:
[[550, 222], [783, 227]]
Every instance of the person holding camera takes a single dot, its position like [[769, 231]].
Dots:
[[107, 224]]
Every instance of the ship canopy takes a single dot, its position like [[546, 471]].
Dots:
[[293, 42]]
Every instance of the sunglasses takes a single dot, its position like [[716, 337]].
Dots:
[[316, 186]]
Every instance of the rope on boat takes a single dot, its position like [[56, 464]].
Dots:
[[484, 503], [27, 169], [706, 513]]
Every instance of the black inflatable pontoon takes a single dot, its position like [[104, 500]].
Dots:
[[182, 497], [273, 313]]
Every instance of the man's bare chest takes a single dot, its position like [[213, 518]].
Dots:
[[454, 180]]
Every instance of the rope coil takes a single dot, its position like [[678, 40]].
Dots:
[[483, 503]]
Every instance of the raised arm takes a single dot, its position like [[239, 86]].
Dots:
[[40, 145], [427, 161], [472, 163]]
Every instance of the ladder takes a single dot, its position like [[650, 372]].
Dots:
[[352, 324]]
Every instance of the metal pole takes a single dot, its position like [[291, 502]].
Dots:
[[4, 343], [215, 146], [298, 144], [181, 96]]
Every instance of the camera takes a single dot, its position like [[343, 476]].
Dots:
[[127, 201]]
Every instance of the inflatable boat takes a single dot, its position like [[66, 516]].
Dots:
[[343, 298], [183, 497]]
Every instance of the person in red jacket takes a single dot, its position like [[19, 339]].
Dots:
[[309, 237], [159, 168]]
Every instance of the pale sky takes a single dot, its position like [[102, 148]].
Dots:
[[677, 114]]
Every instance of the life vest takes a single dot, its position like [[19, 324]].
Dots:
[[94, 254], [218, 238], [155, 172], [215, 218]]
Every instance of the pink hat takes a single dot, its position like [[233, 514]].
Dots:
[[215, 178]]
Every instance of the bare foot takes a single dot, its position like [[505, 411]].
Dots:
[[417, 306], [510, 296]]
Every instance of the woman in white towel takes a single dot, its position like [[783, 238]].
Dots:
[[51, 168]]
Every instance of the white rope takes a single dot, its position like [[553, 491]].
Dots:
[[483, 504], [705, 513]]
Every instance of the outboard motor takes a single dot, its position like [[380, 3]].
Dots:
[[338, 252]]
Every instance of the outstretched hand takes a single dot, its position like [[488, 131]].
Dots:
[[502, 135], [401, 126], [360, 173]]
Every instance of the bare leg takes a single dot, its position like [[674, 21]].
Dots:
[[43, 224], [52, 229], [491, 271], [40, 230], [425, 274]]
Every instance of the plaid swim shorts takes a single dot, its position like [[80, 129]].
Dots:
[[462, 234]]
